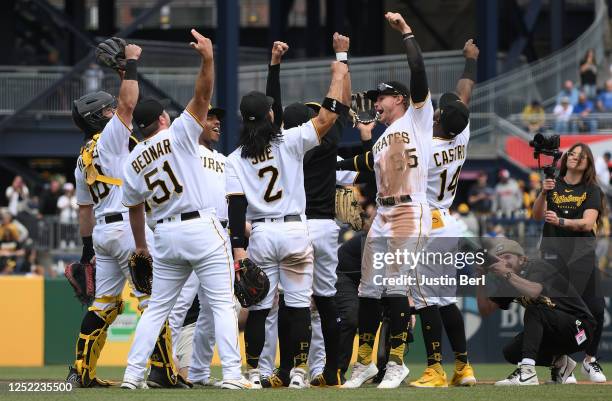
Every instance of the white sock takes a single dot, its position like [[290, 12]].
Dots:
[[528, 361]]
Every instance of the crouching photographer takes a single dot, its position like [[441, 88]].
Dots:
[[571, 205], [556, 322]]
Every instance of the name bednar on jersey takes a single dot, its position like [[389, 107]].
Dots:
[[174, 185]]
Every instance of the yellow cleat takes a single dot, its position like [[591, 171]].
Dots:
[[434, 376], [464, 377]]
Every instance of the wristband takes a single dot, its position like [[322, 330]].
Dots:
[[470, 69], [334, 106], [408, 35], [342, 56], [87, 241], [561, 222], [131, 72]]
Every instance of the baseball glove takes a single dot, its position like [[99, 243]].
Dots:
[[253, 284], [111, 53], [82, 278], [362, 109], [141, 272], [348, 209]]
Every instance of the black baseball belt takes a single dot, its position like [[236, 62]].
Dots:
[[113, 218], [288, 218], [184, 216], [393, 200]]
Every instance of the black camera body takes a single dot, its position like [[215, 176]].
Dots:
[[549, 146]]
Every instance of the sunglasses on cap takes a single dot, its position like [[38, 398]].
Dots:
[[383, 86]]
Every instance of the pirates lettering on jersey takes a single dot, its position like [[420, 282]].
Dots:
[[392, 138], [262, 158], [212, 164], [446, 156], [150, 154]]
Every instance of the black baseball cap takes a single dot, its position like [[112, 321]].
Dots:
[[454, 114], [254, 106], [147, 111], [216, 111], [296, 114], [314, 106], [392, 88]]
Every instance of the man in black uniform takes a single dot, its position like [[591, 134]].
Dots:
[[556, 322]]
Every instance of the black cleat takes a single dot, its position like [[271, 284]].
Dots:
[[279, 378], [158, 379]]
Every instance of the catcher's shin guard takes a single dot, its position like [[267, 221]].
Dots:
[[92, 339], [162, 361]]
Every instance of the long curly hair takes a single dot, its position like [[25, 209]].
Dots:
[[589, 176], [256, 136]]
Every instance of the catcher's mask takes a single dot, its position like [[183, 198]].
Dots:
[[88, 112]]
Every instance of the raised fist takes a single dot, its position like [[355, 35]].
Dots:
[[341, 43]]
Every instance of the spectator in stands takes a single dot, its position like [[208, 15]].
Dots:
[[569, 91], [508, 197], [467, 219], [563, 113], [480, 196], [9, 244], [533, 189], [588, 74], [582, 119], [67, 205], [533, 117], [604, 100], [17, 195], [48, 199]]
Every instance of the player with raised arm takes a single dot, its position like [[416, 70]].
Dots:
[[400, 160], [437, 305], [103, 220], [165, 170], [265, 184]]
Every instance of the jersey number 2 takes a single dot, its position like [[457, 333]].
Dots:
[[452, 185], [152, 184], [268, 197]]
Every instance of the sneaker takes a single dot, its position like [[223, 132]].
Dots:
[[208, 382], [562, 370], [73, 377], [360, 374], [240, 384], [434, 376], [464, 377], [394, 376], [592, 370], [265, 382], [326, 380], [279, 378], [298, 379], [158, 378], [131, 384], [524, 375], [255, 378]]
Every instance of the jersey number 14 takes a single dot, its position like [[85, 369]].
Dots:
[[452, 185]]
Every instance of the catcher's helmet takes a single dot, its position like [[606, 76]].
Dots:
[[87, 112]]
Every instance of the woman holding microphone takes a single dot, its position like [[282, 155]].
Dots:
[[571, 206]]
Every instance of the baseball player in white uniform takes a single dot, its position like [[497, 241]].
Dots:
[[436, 305], [103, 220], [165, 170], [400, 158], [214, 177], [265, 180]]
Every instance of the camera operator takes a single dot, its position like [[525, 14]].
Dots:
[[556, 322], [571, 205]]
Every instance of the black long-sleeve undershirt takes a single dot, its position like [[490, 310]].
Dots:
[[236, 209], [419, 87], [273, 89]]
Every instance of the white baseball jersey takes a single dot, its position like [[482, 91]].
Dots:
[[108, 158], [448, 156], [345, 178], [402, 153], [273, 183], [214, 177], [166, 171]]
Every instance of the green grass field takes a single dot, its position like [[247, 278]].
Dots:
[[484, 373]]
